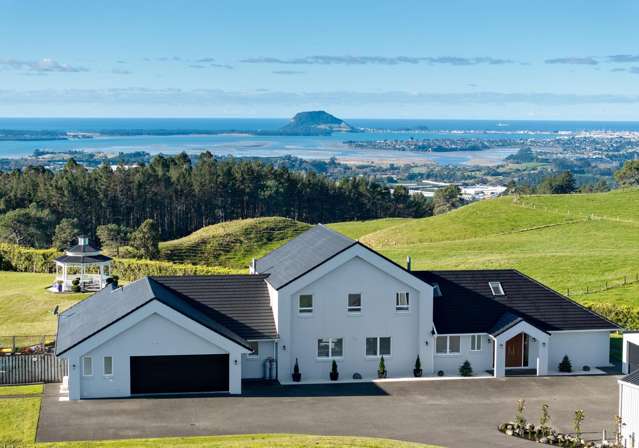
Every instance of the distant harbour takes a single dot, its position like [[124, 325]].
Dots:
[[241, 143]]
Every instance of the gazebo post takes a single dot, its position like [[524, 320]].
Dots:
[[101, 274], [64, 277]]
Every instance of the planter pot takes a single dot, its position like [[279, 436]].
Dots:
[[297, 377], [417, 372], [334, 376], [383, 374]]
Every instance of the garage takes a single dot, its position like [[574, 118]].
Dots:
[[179, 374], [633, 357]]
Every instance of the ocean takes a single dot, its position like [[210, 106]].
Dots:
[[308, 147]]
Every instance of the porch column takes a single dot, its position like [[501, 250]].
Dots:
[[499, 368], [64, 277], [542, 357]]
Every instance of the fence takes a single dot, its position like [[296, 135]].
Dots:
[[26, 344], [603, 285], [27, 369]]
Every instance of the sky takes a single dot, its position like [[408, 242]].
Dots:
[[559, 60]]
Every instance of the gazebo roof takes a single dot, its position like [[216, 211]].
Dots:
[[79, 259], [82, 249]]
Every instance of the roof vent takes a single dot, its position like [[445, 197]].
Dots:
[[408, 263], [496, 288]]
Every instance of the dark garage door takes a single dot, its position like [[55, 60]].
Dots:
[[633, 357], [179, 374]]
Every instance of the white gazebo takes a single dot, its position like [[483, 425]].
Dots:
[[85, 263]]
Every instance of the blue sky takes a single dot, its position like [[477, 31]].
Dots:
[[422, 59]]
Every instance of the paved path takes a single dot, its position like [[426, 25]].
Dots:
[[452, 413]]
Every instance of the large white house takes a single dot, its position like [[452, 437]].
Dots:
[[320, 297]]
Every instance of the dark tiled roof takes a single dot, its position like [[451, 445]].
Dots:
[[109, 305], [505, 322], [632, 378], [302, 254], [77, 259], [467, 304], [240, 302], [83, 248]]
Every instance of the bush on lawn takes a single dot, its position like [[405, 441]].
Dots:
[[565, 365]]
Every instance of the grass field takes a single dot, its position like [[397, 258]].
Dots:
[[573, 243], [26, 307], [31, 389], [232, 244], [19, 420]]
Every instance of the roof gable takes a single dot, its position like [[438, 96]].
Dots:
[[302, 254], [467, 304], [109, 305]]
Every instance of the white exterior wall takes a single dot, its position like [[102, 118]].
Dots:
[[253, 366], [628, 338], [378, 318], [480, 361], [154, 329], [629, 412], [586, 348]]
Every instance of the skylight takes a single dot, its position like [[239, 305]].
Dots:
[[496, 288], [437, 292]]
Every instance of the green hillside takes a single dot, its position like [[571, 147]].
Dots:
[[587, 245], [233, 243]]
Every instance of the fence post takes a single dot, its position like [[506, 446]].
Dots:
[[13, 344]]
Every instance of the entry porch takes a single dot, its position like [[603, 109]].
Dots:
[[520, 348]]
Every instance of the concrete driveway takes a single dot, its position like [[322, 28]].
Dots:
[[451, 413]]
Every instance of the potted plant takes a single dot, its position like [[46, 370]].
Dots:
[[565, 365], [417, 371], [297, 376], [334, 373], [59, 285], [466, 369], [381, 370], [75, 285]]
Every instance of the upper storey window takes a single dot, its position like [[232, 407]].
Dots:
[[305, 304], [402, 301]]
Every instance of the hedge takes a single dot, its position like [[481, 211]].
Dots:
[[624, 315], [24, 259]]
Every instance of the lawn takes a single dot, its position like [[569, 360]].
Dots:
[[31, 389], [26, 307], [19, 420]]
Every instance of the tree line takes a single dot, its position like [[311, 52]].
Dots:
[[181, 196]]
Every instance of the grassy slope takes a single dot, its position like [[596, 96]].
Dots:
[[358, 229], [26, 308], [19, 420], [232, 244], [552, 238]]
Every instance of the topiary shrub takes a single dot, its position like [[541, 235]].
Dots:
[[334, 375], [466, 369], [417, 371], [297, 376], [381, 369], [75, 285], [565, 365], [440, 373], [586, 368]]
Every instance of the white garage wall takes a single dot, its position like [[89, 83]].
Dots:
[[155, 335], [583, 348], [629, 411], [253, 366]]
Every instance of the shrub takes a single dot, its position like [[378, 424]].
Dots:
[[440, 373], [586, 368], [297, 376], [466, 369], [520, 420], [565, 365], [418, 364], [544, 419], [334, 373], [25, 259], [381, 369], [624, 315], [75, 285]]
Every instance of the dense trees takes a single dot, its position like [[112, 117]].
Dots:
[[181, 197], [561, 183], [628, 175], [65, 233], [447, 199], [146, 239]]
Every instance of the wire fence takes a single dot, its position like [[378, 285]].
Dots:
[[14, 345], [604, 285]]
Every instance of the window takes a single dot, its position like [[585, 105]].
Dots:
[[87, 366], [496, 288], [330, 348], [437, 292], [447, 345], [475, 342], [401, 301], [378, 346], [306, 304], [107, 366], [255, 349], [354, 303]]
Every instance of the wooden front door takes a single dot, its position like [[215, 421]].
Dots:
[[515, 351]]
